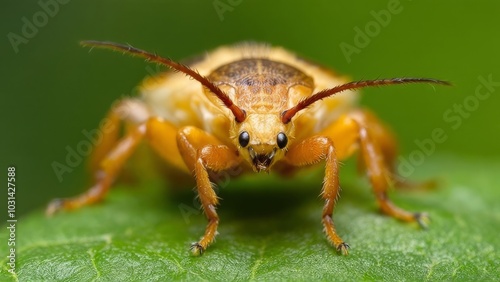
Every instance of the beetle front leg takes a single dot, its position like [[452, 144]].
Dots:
[[313, 150], [204, 152]]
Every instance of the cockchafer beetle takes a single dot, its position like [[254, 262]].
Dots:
[[249, 105]]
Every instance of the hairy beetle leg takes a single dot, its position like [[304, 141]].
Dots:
[[202, 152], [341, 246], [161, 136], [361, 130], [377, 153], [109, 168], [311, 151], [94, 194], [387, 207]]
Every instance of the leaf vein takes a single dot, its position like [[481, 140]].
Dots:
[[91, 253], [259, 260]]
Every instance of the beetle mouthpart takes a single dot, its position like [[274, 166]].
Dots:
[[261, 162]]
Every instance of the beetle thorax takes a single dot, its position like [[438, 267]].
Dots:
[[259, 85]]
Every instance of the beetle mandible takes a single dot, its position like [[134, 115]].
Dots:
[[254, 106]]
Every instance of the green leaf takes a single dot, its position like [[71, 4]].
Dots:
[[270, 229]]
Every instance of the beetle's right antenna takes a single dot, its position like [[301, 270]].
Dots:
[[286, 116], [238, 113]]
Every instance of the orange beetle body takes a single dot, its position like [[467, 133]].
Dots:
[[249, 105]]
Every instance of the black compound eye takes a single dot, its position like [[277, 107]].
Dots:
[[282, 140], [244, 139]]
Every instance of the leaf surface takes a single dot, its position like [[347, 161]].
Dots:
[[270, 229]]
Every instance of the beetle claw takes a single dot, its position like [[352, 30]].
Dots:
[[197, 249], [343, 248]]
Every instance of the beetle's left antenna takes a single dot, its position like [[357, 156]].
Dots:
[[287, 115], [238, 113]]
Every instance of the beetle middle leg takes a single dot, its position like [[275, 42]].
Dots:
[[314, 150], [362, 130], [129, 112], [202, 152]]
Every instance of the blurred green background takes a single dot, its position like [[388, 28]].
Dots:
[[52, 89]]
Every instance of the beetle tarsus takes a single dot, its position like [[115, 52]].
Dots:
[[422, 219], [343, 248], [197, 249], [54, 206]]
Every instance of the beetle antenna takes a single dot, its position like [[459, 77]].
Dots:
[[238, 113], [287, 115]]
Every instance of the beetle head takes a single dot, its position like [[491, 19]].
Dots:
[[262, 139]]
